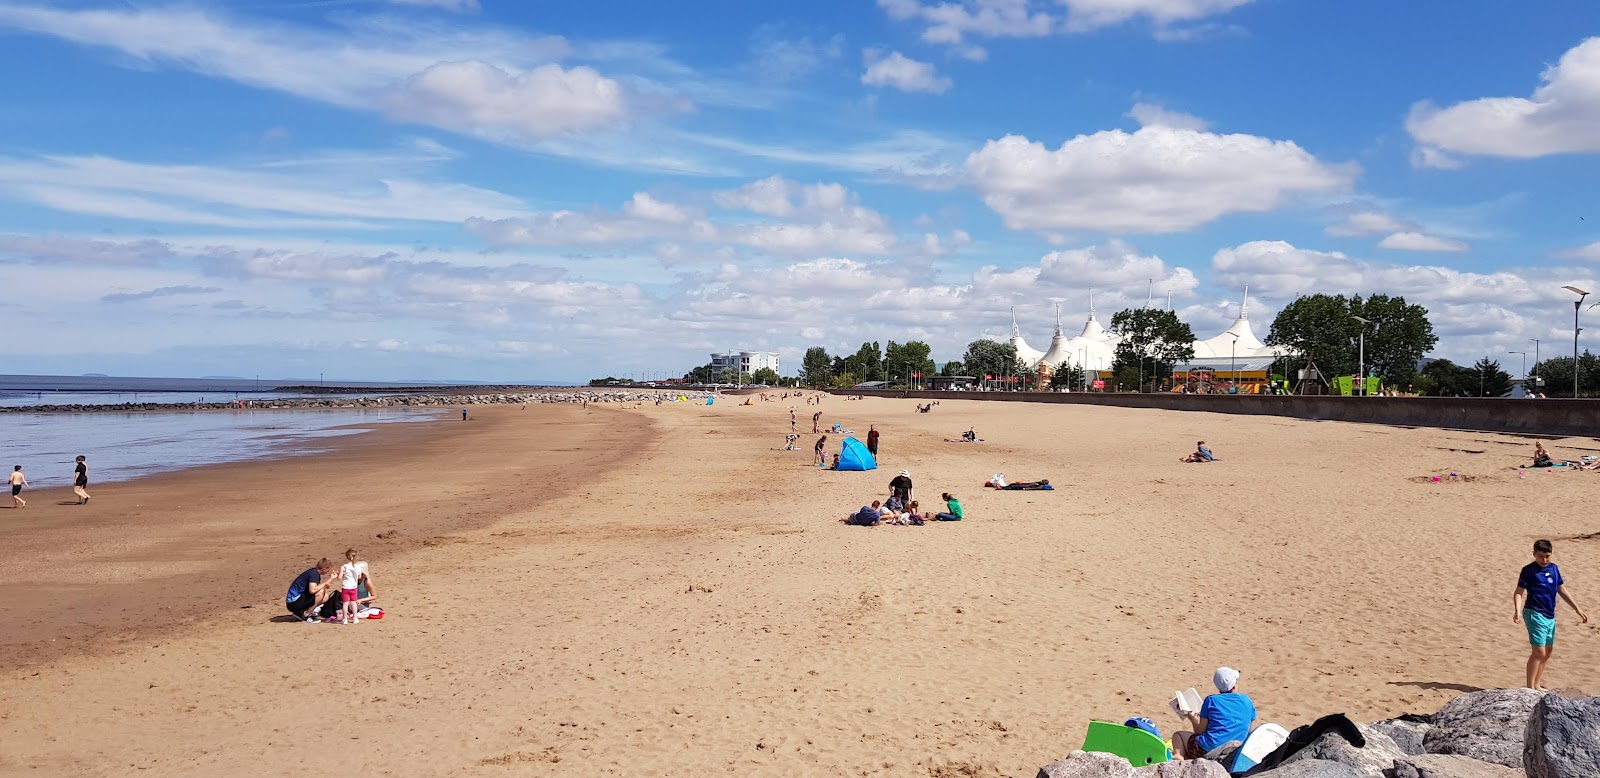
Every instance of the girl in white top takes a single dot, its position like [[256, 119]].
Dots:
[[350, 576]]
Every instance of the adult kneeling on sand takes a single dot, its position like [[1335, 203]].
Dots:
[[1223, 717], [308, 592]]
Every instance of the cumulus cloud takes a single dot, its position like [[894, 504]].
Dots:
[[164, 291], [1152, 115], [544, 102], [1368, 223], [1560, 117], [1158, 179], [73, 250], [1416, 241], [954, 22], [1115, 264], [903, 73], [1279, 269], [1590, 252]]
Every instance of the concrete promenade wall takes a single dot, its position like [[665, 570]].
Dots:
[[1538, 417]]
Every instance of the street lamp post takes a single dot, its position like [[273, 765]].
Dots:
[[1535, 361], [1524, 369], [1576, 305], [1361, 360]]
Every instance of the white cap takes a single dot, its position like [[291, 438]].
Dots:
[[1225, 679], [906, 473]]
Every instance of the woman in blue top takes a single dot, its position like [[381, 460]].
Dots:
[[1224, 717]]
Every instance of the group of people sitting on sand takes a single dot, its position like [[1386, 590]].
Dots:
[[346, 598], [1201, 454], [900, 509], [1541, 458]]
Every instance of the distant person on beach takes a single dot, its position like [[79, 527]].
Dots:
[[1201, 454], [80, 481], [1541, 458], [18, 482], [789, 439], [351, 574], [793, 421], [868, 516], [308, 592], [816, 419], [952, 511], [1223, 717], [463, 414], [872, 440], [820, 456], [1540, 583]]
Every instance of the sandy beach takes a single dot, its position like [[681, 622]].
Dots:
[[665, 591]]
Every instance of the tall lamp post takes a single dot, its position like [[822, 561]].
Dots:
[[1535, 361], [1576, 305], [1361, 358], [1524, 369]]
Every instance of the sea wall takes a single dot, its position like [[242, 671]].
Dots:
[[389, 401], [1494, 414]]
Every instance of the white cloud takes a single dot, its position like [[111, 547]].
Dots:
[[1116, 264], [474, 97], [1589, 253], [1560, 117], [783, 60], [1151, 115], [1368, 223], [1280, 270], [1158, 179], [911, 157], [458, 6], [903, 73], [1416, 241], [163, 291], [955, 21]]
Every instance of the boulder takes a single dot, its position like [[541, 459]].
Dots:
[[1488, 726], [1374, 760], [1311, 768], [1563, 738], [1088, 764], [1449, 766], [1190, 768], [1407, 735]]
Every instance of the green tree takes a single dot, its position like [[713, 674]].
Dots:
[[816, 367], [1153, 340], [765, 375], [1490, 380], [1443, 378], [1320, 326], [988, 357], [1557, 375], [704, 374], [907, 358], [866, 364], [952, 369], [1068, 376]]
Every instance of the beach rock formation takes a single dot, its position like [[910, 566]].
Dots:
[[1193, 768], [1088, 764], [1312, 768], [1449, 766], [1408, 735], [1488, 726], [1563, 738], [1373, 760]]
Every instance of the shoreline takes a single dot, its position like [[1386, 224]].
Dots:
[[358, 403], [158, 538]]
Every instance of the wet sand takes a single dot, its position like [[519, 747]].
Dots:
[[691, 605]]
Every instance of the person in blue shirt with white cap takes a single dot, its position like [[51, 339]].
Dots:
[[1223, 717]]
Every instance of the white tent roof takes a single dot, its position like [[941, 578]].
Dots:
[[1059, 350], [1095, 348], [1026, 354]]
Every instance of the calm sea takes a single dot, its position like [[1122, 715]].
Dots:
[[123, 446]]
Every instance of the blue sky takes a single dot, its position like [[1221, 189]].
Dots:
[[477, 189]]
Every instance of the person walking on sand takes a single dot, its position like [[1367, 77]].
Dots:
[[350, 575], [463, 414], [1540, 582], [816, 421], [18, 482], [80, 481], [820, 457], [872, 440], [794, 420]]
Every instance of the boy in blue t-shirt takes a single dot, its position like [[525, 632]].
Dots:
[[1540, 582], [1223, 718]]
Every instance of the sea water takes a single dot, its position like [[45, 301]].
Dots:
[[123, 446], [27, 390]]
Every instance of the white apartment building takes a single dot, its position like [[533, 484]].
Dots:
[[748, 362]]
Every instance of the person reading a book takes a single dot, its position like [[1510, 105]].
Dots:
[[1222, 718]]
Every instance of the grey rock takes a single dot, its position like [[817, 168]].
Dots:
[[1407, 735], [1449, 766], [1090, 764], [1374, 760], [1189, 768], [1488, 726], [1563, 738], [1311, 768]]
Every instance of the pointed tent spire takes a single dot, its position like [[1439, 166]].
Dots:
[[1059, 332], [1091, 303], [1016, 332], [1244, 307]]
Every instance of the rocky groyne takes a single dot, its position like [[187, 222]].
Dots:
[[384, 401]]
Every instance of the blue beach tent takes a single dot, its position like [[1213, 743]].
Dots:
[[853, 455]]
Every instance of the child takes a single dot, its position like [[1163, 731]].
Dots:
[[350, 576], [1540, 582], [914, 513], [954, 509], [790, 439], [18, 481]]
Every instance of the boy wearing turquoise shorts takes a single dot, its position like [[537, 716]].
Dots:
[[1540, 582]]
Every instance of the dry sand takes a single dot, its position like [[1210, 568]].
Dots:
[[664, 591]]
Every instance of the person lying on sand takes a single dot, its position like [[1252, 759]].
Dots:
[[1201, 454], [1223, 717], [867, 516]]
